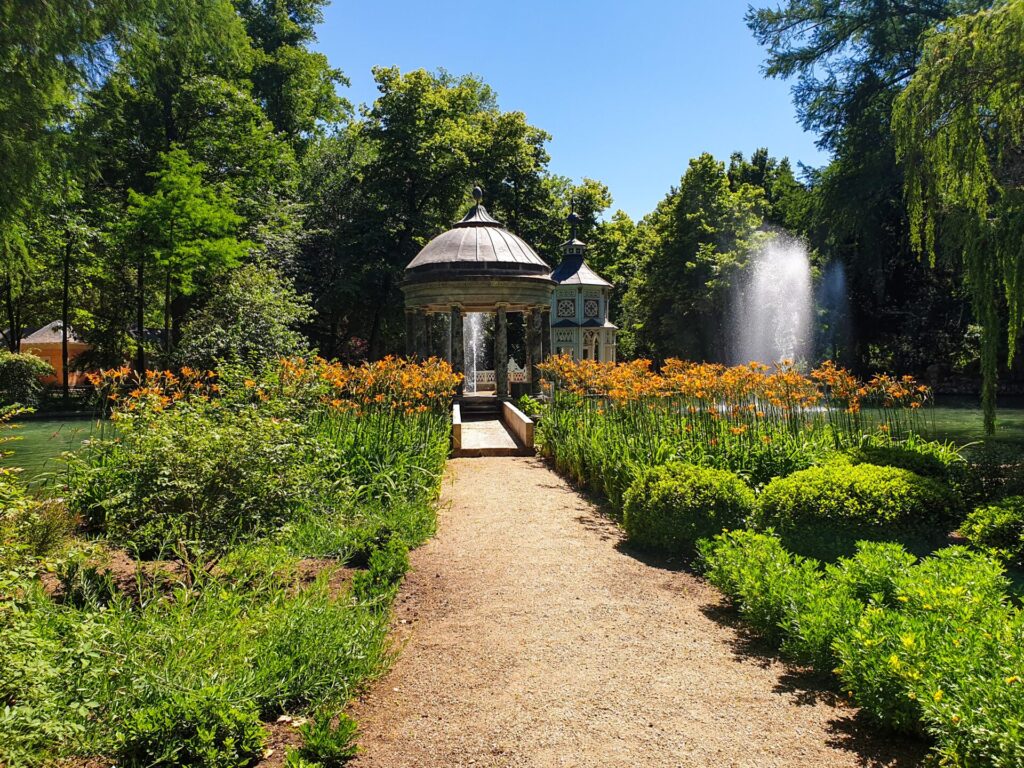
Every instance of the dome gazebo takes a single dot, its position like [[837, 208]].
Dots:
[[478, 266]]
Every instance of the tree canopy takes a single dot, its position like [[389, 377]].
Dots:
[[959, 126]]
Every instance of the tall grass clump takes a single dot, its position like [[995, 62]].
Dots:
[[608, 420]]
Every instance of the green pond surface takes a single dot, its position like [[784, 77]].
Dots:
[[42, 441], [959, 419], [39, 443]]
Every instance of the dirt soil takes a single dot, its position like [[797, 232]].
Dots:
[[534, 638]]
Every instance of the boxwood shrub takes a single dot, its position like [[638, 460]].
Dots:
[[837, 504], [933, 648], [671, 507], [998, 526]]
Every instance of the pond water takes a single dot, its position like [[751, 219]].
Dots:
[[959, 419], [40, 442]]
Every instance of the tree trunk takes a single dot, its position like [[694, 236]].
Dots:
[[375, 340], [167, 316], [140, 314], [13, 332], [65, 307]]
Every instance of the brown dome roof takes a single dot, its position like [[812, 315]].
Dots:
[[476, 246]]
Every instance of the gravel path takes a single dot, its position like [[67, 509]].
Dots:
[[532, 639]]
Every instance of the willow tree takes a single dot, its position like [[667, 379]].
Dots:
[[959, 128]]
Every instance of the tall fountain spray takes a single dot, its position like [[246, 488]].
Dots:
[[473, 333], [773, 321]]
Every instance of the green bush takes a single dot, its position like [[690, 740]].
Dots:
[[873, 573], [757, 573], [386, 567], [250, 320], [933, 648], [193, 480], [245, 479], [928, 459], [948, 612], [188, 729], [995, 470], [247, 644], [815, 616], [328, 744], [294, 759], [998, 526], [32, 715], [31, 529], [671, 507], [20, 378], [825, 510], [979, 719], [531, 406]]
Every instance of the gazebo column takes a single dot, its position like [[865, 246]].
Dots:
[[534, 348], [501, 352], [410, 332], [545, 333], [424, 349], [457, 344]]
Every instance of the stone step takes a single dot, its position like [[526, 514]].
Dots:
[[476, 407], [488, 437]]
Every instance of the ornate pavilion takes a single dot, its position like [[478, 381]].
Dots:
[[478, 266]]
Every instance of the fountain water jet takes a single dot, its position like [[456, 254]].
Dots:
[[773, 321], [473, 333]]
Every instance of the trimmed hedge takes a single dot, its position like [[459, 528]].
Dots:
[[830, 507], [671, 507], [933, 648], [998, 526], [926, 458]]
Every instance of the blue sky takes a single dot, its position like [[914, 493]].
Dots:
[[629, 90]]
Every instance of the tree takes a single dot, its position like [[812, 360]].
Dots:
[[959, 127], [677, 306], [295, 86], [379, 189], [786, 199], [222, 126], [135, 114], [251, 321], [16, 267], [184, 228], [847, 57], [48, 52]]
